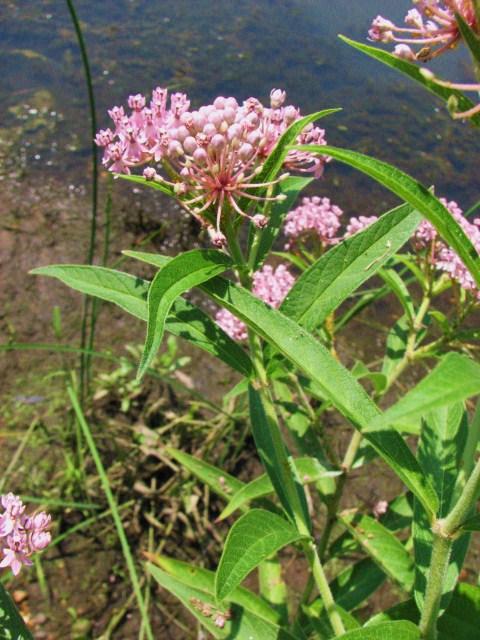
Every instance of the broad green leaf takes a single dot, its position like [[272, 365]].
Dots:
[[220, 482], [333, 380], [334, 276], [382, 546], [308, 470], [356, 583], [401, 630], [12, 626], [203, 579], [182, 273], [414, 72], [272, 586], [130, 293], [399, 288], [316, 621], [455, 379], [471, 39], [242, 625], [158, 186], [460, 621], [399, 513], [252, 539], [291, 187], [440, 452], [416, 195], [276, 459]]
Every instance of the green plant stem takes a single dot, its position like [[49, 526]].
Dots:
[[445, 531], [114, 509], [93, 222]]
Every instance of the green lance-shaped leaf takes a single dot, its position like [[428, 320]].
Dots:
[[396, 347], [308, 470], [340, 271], [471, 39], [239, 623], [415, 72], [356, 583], [130, 293], [291, 187], [460, 621], [382, 546], [178, 276], [277, 460], [158, 186], [253, 538], [455, 379], [416, 195], [472, 524], [12, 625], [442, 444], [222, 483], [400, 289], [203, 579], [333, 380], [401, 630]]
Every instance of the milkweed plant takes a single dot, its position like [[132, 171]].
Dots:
[[239, 168]]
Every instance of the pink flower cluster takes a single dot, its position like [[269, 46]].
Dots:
[[432, 24], [213, 155], [270, 285], [441, 256], [319, 218], [22, 534]]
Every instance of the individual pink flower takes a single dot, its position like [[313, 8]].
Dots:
[[270, 285], [23, 534], [359, 224], [380, 508], [314, 217], [212, 155]]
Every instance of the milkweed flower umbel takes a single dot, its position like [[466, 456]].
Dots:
[[317, 217], [212, 156], [270, 285], [22, 534], [432, 26]]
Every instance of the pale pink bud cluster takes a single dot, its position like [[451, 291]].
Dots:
[[359, 224], [270, 285], [316, 217], [215, 153], [443, 257], [22, 534], [432, 25]]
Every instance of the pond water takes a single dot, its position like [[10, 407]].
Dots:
[[231, 47]]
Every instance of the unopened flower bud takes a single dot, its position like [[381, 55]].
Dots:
[[260, 221], [277, 98], [190, 145], [200, 156], [149, 173]]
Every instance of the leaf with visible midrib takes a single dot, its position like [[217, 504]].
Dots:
[[340, 271], [411, 191], [414, 72], [253, 538], [401, 630], [178, 276]]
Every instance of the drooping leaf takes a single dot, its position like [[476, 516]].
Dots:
[[401, 630], [253, 538], [335, 383], [334, 276], [158, 186], [12, 626], [239, 623], [442, 443], [382, 546], [291, 187], [399, 288], [203, 579], [418, 196], [276, 459], [182, 273], [308, 470], [460, 621], [414, 72], [130, 293]]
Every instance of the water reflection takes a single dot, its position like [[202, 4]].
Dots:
[[209, 48]]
